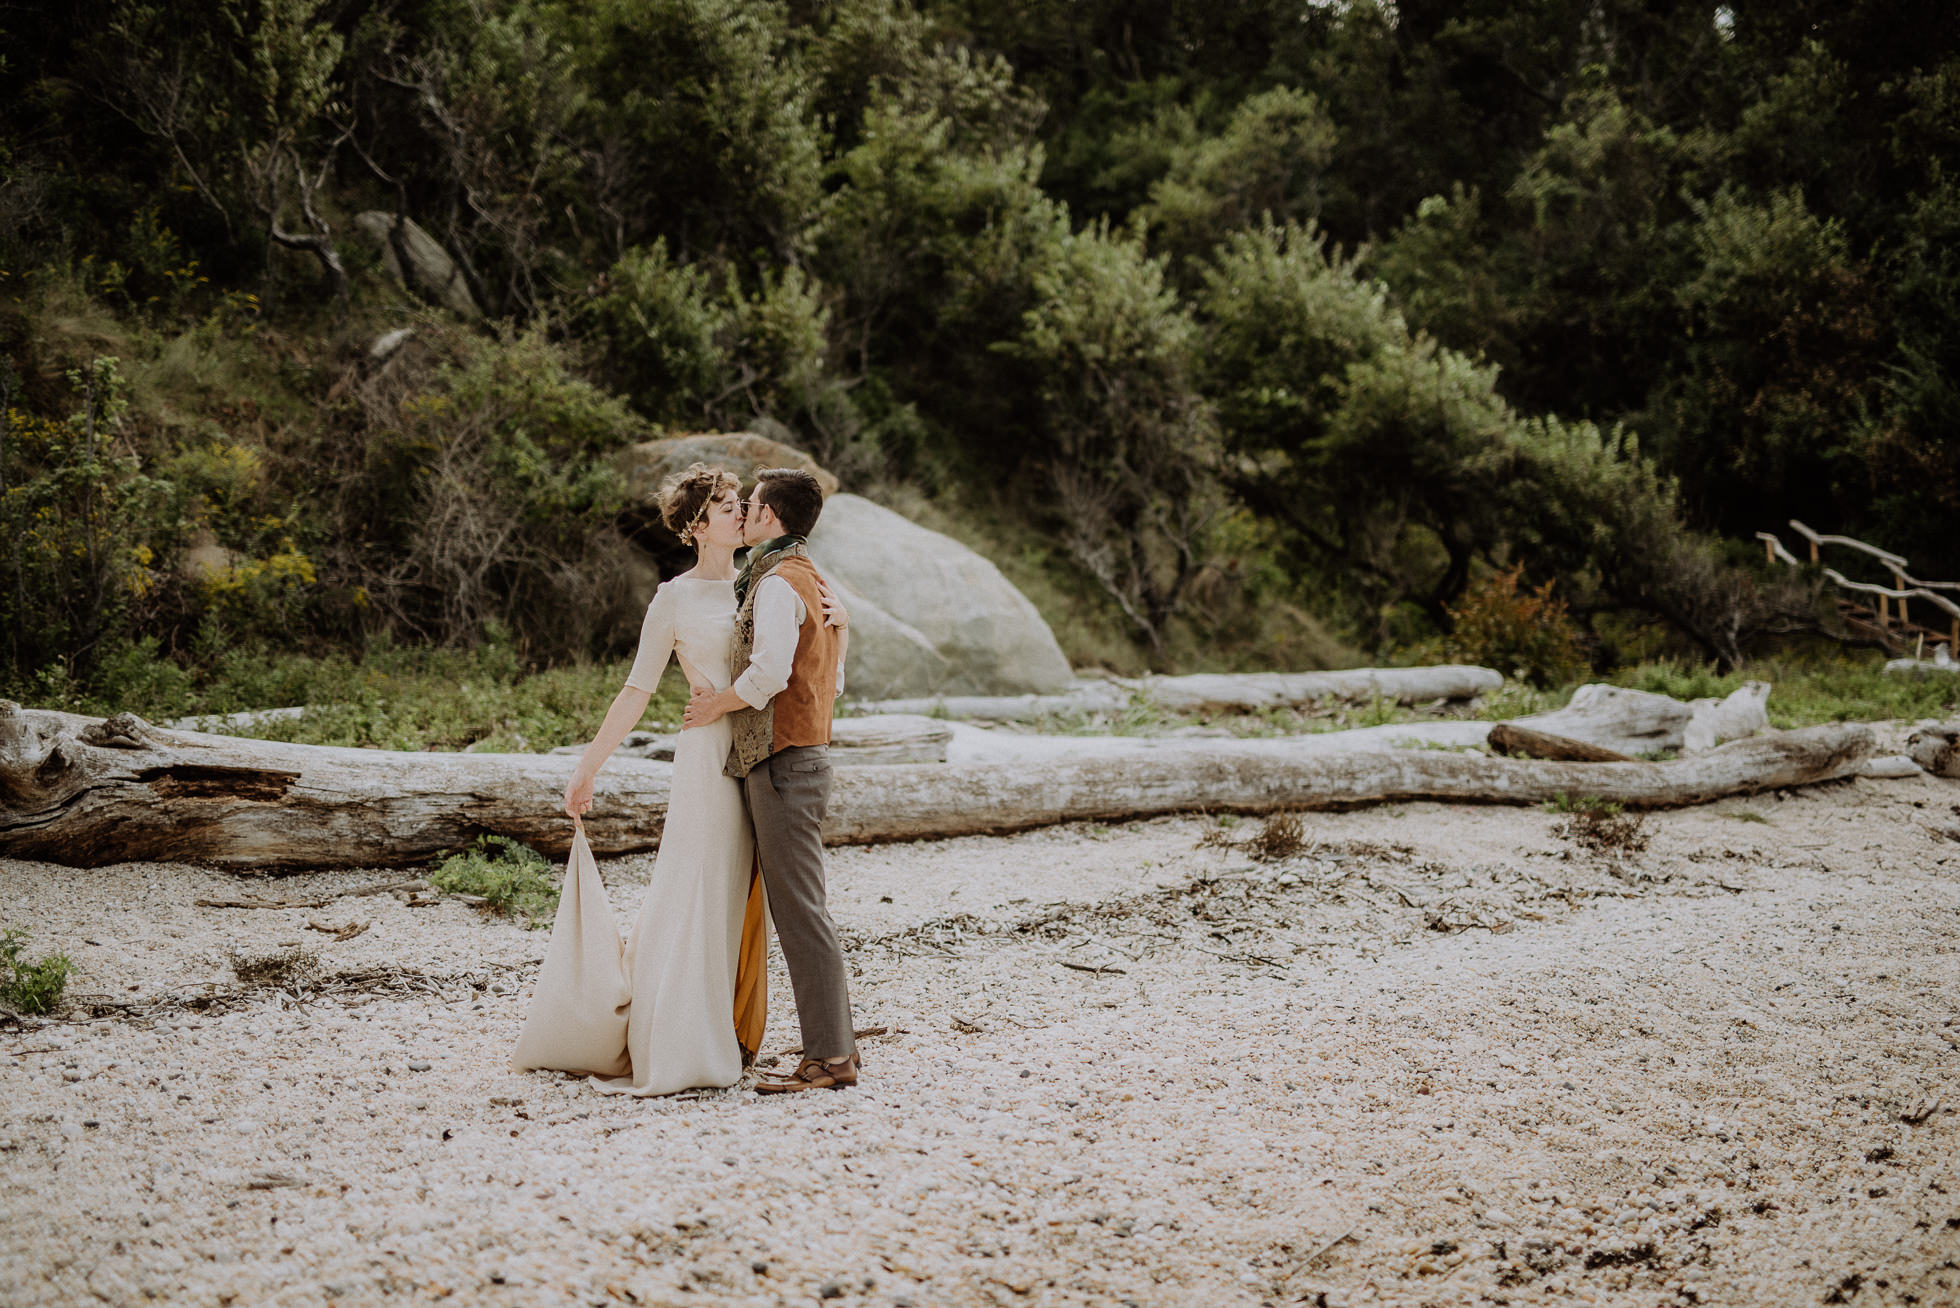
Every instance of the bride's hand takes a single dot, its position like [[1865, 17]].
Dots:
[[578, 795], [834, 612]]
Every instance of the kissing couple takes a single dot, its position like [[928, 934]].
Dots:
[[763, 653]]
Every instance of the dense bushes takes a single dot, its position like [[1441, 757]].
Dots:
[[1075, 269]]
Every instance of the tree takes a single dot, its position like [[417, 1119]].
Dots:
[[1128, 443], [242, 92]]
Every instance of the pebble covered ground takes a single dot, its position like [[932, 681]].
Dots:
[[1438, 1055]]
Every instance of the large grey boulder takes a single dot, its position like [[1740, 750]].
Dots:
[[928, 615], [645, 465], [417, 260]]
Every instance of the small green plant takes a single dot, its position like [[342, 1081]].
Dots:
[[510, 878], [30, 987], [1515, 700], [1142, 716], [1379, 712], [1747, 815]]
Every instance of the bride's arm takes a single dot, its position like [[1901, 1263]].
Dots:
[[627, 707], [656, 644]]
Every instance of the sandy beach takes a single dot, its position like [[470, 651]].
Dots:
[[1440, 1055]]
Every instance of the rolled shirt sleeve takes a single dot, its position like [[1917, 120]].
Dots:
[[779, 617]]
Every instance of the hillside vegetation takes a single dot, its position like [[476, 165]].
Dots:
[[1252, 335]]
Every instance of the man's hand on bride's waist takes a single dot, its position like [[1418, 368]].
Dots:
[[709, 706]]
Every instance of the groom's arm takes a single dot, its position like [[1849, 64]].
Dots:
[[778, 620]]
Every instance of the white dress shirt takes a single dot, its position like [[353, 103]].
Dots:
[[779, 617]]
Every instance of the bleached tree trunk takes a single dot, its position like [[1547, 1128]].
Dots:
[[87, 792], [969, 799], [1214, 693]]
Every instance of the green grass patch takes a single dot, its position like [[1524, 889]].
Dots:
[[487, 699], [512, 879], [1747, 815], [391, 697], [34, 987], [1564, 803], [1807, 689]]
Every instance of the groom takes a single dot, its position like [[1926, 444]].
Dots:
[[781, 705]]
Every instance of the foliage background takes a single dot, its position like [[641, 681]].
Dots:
[[1254, 335]]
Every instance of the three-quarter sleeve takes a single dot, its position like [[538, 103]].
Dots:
[[656, 643]]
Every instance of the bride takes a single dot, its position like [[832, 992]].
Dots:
[[695, 955]]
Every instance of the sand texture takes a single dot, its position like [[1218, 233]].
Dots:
[[1439, 1055]]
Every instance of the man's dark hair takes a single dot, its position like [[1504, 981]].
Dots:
[[793, 494]]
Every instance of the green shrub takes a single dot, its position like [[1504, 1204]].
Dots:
[[1525, 634], [512, 879], [75, 511], [30, 987]]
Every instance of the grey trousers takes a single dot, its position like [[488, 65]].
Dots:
[[788, 793]]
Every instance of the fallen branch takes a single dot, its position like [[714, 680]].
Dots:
[[255, 902], [859, 1034], [347, 932], [1107, 969]]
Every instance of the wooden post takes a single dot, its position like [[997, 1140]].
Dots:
[[1813, 551], [1769, 551], [1884, 614], [1899, 584]]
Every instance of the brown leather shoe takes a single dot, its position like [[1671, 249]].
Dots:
[[814, 1074]]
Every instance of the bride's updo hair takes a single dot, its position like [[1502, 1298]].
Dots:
[[686, 495]]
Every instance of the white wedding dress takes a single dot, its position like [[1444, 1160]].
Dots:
[[683, 949]]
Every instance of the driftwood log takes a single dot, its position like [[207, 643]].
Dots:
[[872, 739], [1936, 747], [1613, 717], [1261, 776], [87, 792], [1257, 691], [1213, 693], [1523, 742]]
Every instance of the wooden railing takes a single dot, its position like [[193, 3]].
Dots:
[[1905, 586]]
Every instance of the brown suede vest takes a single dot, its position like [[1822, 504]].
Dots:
[[800, 713], [804, 709]]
